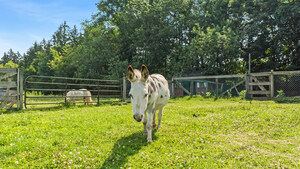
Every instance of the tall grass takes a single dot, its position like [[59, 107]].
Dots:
[[195, 133]]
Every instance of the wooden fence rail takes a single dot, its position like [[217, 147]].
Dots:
[[11, 88]]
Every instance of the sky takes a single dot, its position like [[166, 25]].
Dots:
[[23, 22]]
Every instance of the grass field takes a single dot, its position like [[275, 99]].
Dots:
[[195, 133]]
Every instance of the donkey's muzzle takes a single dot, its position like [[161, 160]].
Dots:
[[138, 118]]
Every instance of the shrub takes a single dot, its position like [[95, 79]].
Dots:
[[242, 94], [281, 94]]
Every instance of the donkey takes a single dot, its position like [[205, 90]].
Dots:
[[81, 94], [148, 93]]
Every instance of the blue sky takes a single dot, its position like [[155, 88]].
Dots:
[[22, 22]]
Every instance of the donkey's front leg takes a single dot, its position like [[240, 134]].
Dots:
[[149, 125], [145, 123]]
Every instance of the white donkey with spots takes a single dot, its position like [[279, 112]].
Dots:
[[149, 93]]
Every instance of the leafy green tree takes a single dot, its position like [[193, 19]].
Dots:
[[43, 60], [5, 58], [29, 63], [92, 57], [15, 57], [10, 64], [172, 37], [269, 32]]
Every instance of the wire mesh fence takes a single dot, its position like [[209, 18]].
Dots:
[[264, 85], [287, 85], [219, 86]]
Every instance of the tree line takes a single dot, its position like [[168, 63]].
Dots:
[[172, 37]]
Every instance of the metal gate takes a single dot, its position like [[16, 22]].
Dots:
[[42, 91], [11, 88]]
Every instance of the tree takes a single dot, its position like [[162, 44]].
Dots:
[[9, 64], [269, 31], [172, 37], [11, 56]]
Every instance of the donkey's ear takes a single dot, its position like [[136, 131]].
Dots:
[[145, 72], [130, 73]]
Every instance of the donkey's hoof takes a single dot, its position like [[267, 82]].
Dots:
[[149, 140], [154, 125]]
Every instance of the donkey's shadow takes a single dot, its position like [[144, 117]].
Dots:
[[124, 148]]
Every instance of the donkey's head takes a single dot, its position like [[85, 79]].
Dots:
[[139, 90]]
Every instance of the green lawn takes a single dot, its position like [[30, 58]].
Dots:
[[195, 133]]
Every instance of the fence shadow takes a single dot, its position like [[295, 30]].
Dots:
[[126, 147], [10, 111]]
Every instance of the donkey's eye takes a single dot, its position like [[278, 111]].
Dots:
[[145, 95]]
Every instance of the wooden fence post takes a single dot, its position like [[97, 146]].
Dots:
[[98, 93], [66, 88], [217, 89], [192, 87], [272, 84], [124, 89], [20, 79], [250, 86], [173, 88], [246, 86]]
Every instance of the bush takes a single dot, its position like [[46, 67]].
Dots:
[[281, 94], [242, 94]]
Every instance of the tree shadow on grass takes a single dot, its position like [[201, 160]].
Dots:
[[126, 147]]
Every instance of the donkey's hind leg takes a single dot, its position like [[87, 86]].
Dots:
[[159, 117], [154, 124]]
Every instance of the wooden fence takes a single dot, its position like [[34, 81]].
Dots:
[[49, 90], [259, 86], [11, 88], [262, 85]]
